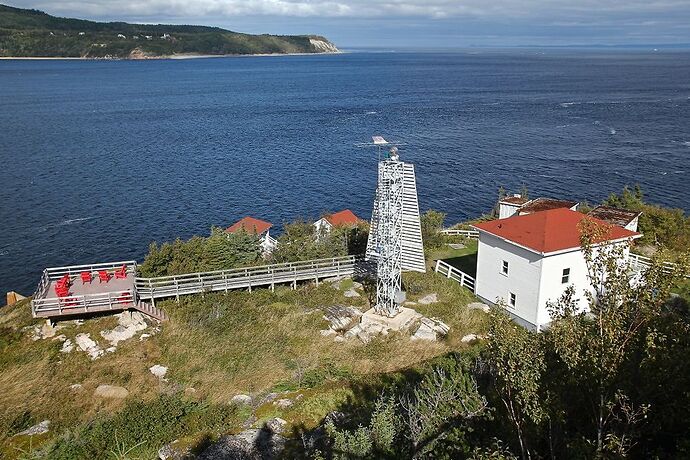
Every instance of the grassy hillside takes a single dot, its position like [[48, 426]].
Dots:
[[32, 33], [215, 346]]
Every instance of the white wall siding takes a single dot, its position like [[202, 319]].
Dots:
[[523, 279], [507, 209], [551, 286]]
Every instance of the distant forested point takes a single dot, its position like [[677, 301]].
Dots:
[[33, 33]]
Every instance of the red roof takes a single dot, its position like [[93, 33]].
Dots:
[[548, 231], [250, 225], [344, 217], [542, 204], [514, 200]]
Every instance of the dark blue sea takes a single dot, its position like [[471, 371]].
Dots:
[[101, 158]]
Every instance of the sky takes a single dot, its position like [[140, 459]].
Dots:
[[411, 23]]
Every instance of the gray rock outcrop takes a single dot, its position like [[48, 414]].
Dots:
[[111, 392]]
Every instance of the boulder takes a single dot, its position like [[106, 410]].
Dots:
[[428, 299], [276, 425], [85, 343], [479, 306], [425, 332], [241, 400], [470, 338], [327, 332], [175, 451], [158, 370], [67, 346], [430, 329], [252, 444], [351, 293], [111, 392], [75, 387], [341, 316], [40, 428]]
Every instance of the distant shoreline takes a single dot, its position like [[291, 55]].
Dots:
[[174, 57]]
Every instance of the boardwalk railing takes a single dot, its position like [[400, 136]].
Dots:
[[466, 233], [640, 263], [83, 302], [453, 273], [78, 304], [225, 280]]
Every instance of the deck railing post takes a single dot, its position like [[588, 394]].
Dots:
[[462, 278], [438, 262]]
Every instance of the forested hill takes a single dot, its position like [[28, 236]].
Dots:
[[33, 33]]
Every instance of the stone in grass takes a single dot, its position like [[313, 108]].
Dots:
[[327, 332], [111, 392], [471, 338], [85, 343], [284, 403], [351, 293], [428, 299], [259, 444], [241, 400], [276, 425], [175, 451], [75, 387], [479, 306], [341, 316], [67, 346], [40, 428], [425, 332], [158, 370]]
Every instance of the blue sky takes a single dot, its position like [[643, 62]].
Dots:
[[411, 23]]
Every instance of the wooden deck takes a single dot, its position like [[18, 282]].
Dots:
[[141, 293]]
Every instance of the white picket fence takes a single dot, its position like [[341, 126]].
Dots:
[[453, 273], [474, 234]]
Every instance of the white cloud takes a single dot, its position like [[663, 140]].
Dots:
[[497, 9]]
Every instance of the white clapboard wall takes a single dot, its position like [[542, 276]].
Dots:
[[412, 245]]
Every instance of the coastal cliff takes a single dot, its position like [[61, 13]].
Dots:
[[33, 33]]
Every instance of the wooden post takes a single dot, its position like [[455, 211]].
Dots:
[[177, 291], [437, 264]]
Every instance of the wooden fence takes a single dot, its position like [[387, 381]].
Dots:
[[453, 273], [474, 234]]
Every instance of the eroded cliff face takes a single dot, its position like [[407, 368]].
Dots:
[[323, 46]]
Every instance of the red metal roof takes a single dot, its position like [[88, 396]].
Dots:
[[548, 231], [250, 225], [344, 217]]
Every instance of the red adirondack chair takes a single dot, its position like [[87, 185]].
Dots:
[[121, 273], [125, 298], [65, 280], [86, 277], [103, 276], [62, 291]]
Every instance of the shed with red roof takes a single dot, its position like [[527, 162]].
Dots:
[[256, 227], [337, 219]]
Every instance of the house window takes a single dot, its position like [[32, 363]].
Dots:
[[565, 278], [504, 268], [512, 300]]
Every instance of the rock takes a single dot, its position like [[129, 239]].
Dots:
[[111, 349], [456, 245], [353, 331], [327, 332], [253, 444], [351, 293], [341, 316], [67, 346], [133, 319], [338, 338], [470, 338], [175, 451], [111, 392], [425, 332], [479, 306], [78, 322], [61, 337], [85, 343], [189, 391], [40, 428], [356, 285], [143, 337], [241, 400], [75, 387], [428, 299], [158, 370], [284, 403], [276, 425]]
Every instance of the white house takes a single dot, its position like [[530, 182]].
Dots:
[[327, 222], [257, 227], [526, 261], [510, 205], [615, 216]]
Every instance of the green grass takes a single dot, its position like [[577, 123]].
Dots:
[[464, 259]]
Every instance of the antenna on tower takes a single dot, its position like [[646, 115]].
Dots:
[[395, 235]]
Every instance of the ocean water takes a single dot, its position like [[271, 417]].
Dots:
[[101, 158]]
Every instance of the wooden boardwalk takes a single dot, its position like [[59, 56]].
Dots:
[[141, 293]]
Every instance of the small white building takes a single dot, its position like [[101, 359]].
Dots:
[[526, 261], [340, 218], [615, 216], [518, 205], [258, 227]]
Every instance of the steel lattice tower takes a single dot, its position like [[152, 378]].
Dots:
[[389, 234]]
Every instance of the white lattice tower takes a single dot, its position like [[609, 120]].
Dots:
[[389, 230]]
